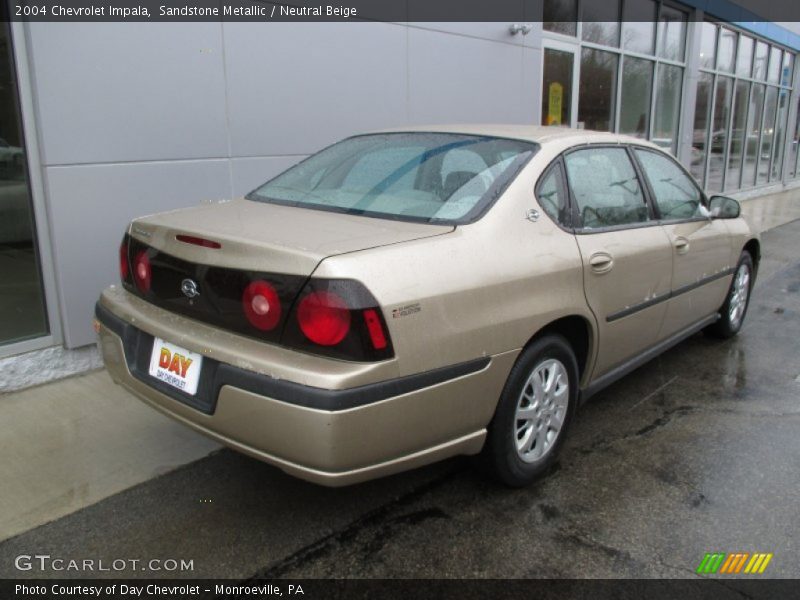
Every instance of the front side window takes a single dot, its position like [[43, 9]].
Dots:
[[414, 176], [605, 187], [676, 195]]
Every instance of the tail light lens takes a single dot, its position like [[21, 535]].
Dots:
[[261, 305], [142, 272], [377, 334], [338, 318], [323, 318], [124, 267]]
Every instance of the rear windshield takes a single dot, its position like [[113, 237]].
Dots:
[[426, 177]]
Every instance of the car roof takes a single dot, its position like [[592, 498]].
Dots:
[[532, 133]]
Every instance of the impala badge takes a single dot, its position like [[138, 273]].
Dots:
[[189, 288]]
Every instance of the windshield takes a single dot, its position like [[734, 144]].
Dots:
[[428, 177]]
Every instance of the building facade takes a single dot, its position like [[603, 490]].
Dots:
[[103, 122]]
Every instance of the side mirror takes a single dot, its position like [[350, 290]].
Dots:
[[723, 207]]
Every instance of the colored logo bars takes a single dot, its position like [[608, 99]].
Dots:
[[734, 563]]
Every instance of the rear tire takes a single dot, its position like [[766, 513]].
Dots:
[[534, 413], [734, 309]]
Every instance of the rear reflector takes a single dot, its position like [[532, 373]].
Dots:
[[375, 329], [197, 241], [324, 318]]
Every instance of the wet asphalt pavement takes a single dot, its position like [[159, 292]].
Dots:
[[698, 451]]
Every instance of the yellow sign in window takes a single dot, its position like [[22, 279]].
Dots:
[[555, 98]]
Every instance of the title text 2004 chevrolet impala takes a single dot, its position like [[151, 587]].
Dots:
[[409, 295]]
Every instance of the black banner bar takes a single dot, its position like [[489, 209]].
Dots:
[[343, 10], [402, 589]]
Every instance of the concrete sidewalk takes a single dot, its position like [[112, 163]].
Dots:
[[74, 442]]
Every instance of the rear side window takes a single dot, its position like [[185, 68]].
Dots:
[[676, 195], [605, 187], [552, 195]]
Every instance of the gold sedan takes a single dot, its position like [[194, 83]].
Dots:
[[405, 296]]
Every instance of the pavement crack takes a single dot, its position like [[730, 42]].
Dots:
[[664, 419], [661, 421], [590, 543], [377, 517]]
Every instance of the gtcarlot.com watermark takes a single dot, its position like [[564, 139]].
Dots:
[[44, 563]]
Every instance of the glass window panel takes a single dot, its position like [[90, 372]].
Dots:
[[708, 45], [419, 175], [719, 133], [788, 69], [597, 90], [605, 188], [744, 58], [700, 130], [639, 26], [552, 196], [736, 151], [795, 141], [637, 85], [760, 61], [557, 88], [561, 16], [768, 132], [22, 303], [668, 106], [671, 33], [601, 22], [752, 130], [775, 64], [727, 50], [777, 151], [676, 194]]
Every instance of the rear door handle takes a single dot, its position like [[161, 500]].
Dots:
[[681, 245], [601, 262]]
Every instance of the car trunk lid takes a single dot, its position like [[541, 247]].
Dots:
[[269, 237], [205, 262]]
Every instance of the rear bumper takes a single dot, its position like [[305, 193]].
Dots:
[[330, 437]]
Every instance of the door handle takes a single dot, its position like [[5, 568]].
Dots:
[[601, 262], [681, 245]]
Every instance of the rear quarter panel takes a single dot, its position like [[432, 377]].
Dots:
[[484, 289]]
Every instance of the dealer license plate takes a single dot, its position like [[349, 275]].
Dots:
[[175, 366]]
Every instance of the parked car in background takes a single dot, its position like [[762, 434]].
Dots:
[[405, 296]]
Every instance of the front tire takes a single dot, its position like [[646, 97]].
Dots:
[[734, 309], [534, 412]]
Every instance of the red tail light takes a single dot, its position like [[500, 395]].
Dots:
[[124, 270], [324, 318], [375, 328], [261, 305], [142, 272]]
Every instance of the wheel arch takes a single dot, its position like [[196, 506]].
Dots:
[[753, 246], [579, 332]]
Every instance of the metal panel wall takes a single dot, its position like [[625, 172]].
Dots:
[[140, 117]]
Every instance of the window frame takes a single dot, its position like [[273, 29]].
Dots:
[[556, 165], [652, 194], [653, 219], [578, 44], [731, 182]]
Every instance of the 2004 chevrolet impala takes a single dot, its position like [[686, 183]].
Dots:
[[409, 295]]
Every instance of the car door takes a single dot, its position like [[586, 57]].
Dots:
[[626, 256], [701, 247]]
